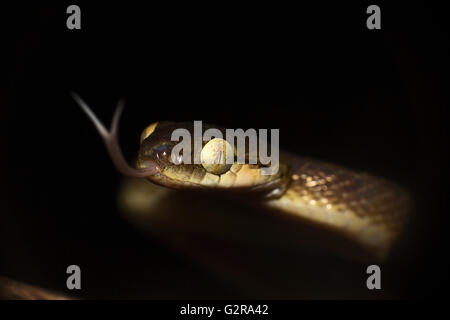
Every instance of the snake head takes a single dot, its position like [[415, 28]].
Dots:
[[156, 162], [181, 171]]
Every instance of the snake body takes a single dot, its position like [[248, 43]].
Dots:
[[371, 211], [349, 210], [354, 208]]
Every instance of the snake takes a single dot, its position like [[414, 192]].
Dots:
[[356, 213]]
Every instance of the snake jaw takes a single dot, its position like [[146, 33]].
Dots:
[[110, 138]]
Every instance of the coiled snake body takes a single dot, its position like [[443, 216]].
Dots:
[[356, 213]]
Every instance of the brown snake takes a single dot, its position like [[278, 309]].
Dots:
[[355, 213]]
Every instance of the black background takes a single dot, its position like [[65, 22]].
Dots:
[[366, 99]]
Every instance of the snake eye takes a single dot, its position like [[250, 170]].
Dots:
[[162, 151], [148, 131], [217, 156]]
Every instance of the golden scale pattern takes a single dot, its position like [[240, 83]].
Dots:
[[370, 202]]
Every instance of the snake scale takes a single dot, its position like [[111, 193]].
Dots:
[[353, 211]]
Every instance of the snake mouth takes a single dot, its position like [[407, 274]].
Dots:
[[245, 182]]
